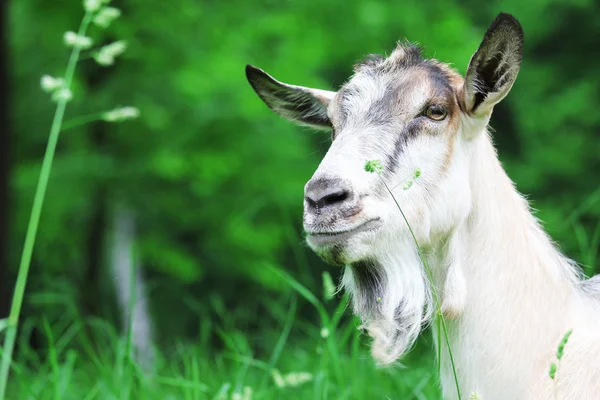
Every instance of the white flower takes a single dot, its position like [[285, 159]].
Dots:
[[297, 378], [74, 40], [121, 114], [292, 379], [50, 83], [63, 94], [106, 16], [92, 5], [328, 286], [324, 333], [106, 55], [247, 393]]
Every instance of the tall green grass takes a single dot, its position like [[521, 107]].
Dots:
[[36, 211], [95, 11], [291, 356]]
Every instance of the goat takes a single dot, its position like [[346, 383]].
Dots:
[[507, 293]]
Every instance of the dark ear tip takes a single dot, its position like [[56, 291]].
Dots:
[[252, 71], [506, 21]]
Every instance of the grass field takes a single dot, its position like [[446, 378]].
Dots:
[[290, 357]]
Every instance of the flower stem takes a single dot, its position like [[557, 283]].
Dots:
[[439, 314], [82, 120], [34, 219]]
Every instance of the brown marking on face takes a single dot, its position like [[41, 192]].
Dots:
[[448, 155], [451, 88], [352, 212]]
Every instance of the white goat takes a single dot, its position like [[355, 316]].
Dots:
[[507, 293]]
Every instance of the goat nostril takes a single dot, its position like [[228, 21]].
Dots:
[[323, 193], [332, 198], [311, 202]]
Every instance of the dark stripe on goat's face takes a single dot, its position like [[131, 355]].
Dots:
[[410, 131], [342, 97], [369, 281], [440, 81], [440, 88], [382, 111]]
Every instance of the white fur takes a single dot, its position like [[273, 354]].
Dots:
[[507, 293], [521, 298]]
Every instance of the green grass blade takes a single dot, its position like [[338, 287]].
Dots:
[[285, 332], [53, 357], [36, 212]]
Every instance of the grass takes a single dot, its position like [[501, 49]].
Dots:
[[87, 359], [36, 211]]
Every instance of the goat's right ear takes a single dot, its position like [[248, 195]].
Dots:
[[494, 67], [302, 105]]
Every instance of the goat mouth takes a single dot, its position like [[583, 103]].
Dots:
[[325, 238]]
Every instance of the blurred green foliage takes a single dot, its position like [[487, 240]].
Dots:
[[216, 180]]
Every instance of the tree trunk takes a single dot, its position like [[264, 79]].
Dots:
[[131, 287]]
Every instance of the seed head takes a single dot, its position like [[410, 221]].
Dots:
[[106, 55], [62, 94], [552, 371], [106, 16], [50, 84], [562, 344], [92, 5], [121, 114], [374, 166], [74, 40]]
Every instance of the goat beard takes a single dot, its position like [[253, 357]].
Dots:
[[392, 297]]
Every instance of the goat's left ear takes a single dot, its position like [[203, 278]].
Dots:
[[494, 67]]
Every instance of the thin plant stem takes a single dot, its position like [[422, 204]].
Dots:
[[82, 120], [38, 201], [440, 316]]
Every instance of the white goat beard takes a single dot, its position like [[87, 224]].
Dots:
[[391, 295]]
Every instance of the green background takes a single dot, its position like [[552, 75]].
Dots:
[[215, 181]]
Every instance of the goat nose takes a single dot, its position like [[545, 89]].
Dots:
[[323, 193]]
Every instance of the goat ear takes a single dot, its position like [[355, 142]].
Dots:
[[494, 67], [299, 104]]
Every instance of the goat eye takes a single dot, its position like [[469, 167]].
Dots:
[[436, 112]]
